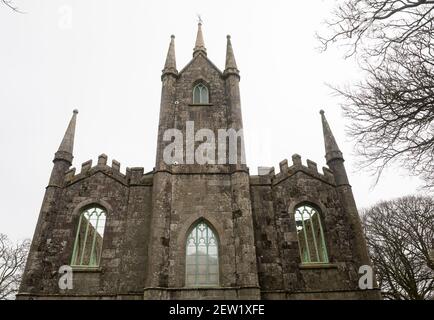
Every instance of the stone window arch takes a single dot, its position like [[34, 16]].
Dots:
[[200, 94], [310, 234], [89, 237], [201, 256]]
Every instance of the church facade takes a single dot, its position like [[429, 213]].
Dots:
[[199, 225]]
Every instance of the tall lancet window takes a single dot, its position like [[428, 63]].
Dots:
[[202, 264], [200, 94], [89, 238], [310, 235]]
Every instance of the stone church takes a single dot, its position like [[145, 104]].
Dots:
[[191, 229]]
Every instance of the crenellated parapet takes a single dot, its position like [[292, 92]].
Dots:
[[131, 177], [267, 175]]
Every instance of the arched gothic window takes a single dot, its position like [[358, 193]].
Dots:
[[89, 238], [310, 235], [200, 94], [202, 265]]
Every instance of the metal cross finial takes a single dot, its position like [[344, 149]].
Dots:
[[199, 18]]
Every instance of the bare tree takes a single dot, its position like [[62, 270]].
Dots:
[[12, 263], [399, 234], [392, 110]]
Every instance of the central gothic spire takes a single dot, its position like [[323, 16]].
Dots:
[[200, 44]]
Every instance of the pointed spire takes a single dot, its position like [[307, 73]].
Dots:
[[331, 147], [170, 65], [66, 147], [200, 44], [231, 64]]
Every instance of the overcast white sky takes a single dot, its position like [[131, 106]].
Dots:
[[105, 57]]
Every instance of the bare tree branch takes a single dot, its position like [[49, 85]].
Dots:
[[11, 5], [399, 234], [12, 263], [372, 26], [392, 109]]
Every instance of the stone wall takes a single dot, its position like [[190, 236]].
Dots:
[[127, 201], [184, 194], [126, 260], [281, 274]]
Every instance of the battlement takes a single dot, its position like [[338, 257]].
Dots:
[[132, 176], [267, 175]]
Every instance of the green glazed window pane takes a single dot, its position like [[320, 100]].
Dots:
[[89, 238], [204, 95], [213, 278], [201, 257], [213, 269], [200, 94], [196, 95], [310, 235]]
